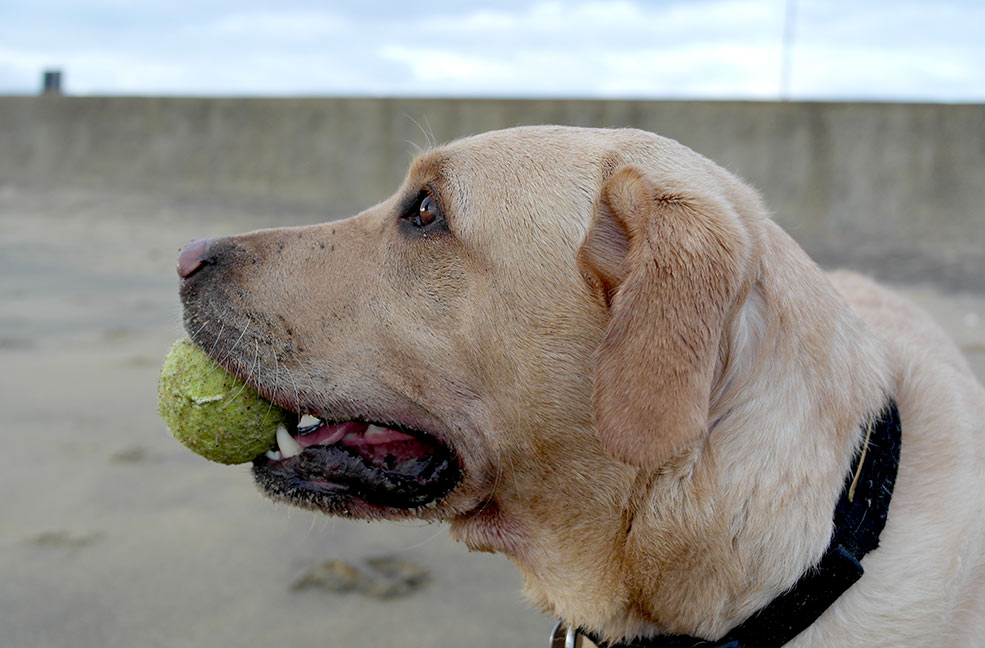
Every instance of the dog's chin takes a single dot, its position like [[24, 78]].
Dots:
[[359, 469]]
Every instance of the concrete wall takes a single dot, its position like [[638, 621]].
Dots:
[[866, 176]]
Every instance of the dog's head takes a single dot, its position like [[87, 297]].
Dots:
[[533, 317]]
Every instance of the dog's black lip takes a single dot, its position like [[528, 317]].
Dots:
[[335, 477]]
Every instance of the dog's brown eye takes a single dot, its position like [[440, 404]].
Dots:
[[427, 212], [422, 215]]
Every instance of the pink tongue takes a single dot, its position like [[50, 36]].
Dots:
[[382, 447], [355, 431], [329, 434]]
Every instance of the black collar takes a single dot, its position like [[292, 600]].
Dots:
[[859, 518]]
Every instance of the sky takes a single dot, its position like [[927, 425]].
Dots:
[[882, 50]]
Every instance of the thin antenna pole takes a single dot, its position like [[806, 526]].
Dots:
[[786, 64]]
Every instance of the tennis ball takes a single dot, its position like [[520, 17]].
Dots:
[[210, 411]]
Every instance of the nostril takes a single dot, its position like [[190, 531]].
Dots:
[[193, 256]]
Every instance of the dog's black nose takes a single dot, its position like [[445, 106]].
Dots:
[[193, 257]]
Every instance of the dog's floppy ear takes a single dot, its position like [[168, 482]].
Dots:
[[668, 259]]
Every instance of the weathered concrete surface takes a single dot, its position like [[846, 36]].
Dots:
[[852, 182]]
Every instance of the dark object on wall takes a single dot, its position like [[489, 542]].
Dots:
[[51, 82]]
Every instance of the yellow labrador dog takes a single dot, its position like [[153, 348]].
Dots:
[[593, 352]]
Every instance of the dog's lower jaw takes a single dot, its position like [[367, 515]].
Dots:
[[488, 529]]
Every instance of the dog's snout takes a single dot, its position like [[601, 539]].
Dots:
[[193, 257]]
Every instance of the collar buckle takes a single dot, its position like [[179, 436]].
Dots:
[[568, 637]]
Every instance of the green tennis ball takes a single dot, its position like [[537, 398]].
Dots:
[[211, 412]]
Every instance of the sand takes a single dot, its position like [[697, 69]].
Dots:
[[112, 534]]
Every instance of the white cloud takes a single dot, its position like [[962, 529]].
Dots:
[[438, 65], [661, 48], [729, 47], [616, 25], [284, 25]]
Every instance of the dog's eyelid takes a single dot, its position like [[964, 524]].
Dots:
[[424, 212]]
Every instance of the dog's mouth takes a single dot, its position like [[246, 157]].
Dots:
[[336, 466]]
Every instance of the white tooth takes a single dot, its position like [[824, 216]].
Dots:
[[288, 446], [374, 430], [273, 455]]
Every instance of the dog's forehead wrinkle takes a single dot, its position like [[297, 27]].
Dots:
[[532, 223], [538, 187]]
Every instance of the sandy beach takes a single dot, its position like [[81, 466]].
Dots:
[[112, 534]]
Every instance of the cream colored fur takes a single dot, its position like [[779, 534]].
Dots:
[[654, 393]]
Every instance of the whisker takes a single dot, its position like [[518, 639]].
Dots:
[[423, 542], [429, 134], [428, 138], [273, 384], [256, 358], [249, 374], [297, 394], [200, 329], [222, 326], [233, 347]]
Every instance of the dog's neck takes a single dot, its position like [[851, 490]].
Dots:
[[729, 526], [714, 535], [859, 518]]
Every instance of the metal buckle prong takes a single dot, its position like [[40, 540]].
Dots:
[[566, 637]]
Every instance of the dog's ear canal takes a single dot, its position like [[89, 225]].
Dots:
[[668, 262]]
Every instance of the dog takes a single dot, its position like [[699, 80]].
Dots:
[[593, 351]]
